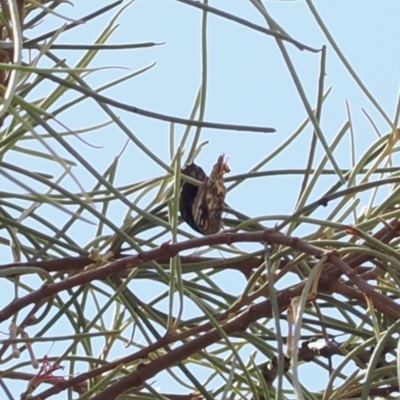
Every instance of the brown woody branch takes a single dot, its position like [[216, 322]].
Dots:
[[144, 372], [165, 250], [250, 315], [77, 264]]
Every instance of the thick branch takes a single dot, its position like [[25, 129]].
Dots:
[[165, 250]]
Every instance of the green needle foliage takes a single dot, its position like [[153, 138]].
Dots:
[[107, 293]]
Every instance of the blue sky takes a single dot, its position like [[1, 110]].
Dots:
[[248, 83]]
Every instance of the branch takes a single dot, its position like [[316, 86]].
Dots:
[[146, 371], [239, 324], [249, 24], [74, 264], [387, 304], [150, 114], [165, 250]]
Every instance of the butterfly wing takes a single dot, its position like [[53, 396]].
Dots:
[[201, 206], [189, 193]]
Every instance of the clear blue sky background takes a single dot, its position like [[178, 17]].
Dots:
[[248, 83]]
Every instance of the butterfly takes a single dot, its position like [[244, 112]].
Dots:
[[201, 206]]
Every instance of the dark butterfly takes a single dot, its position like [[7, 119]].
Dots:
[[201, 206]]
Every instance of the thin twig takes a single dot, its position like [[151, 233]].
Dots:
[[244, 22], [151, 114]]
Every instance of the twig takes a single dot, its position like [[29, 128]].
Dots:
[[249, 24], [150, 114]]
